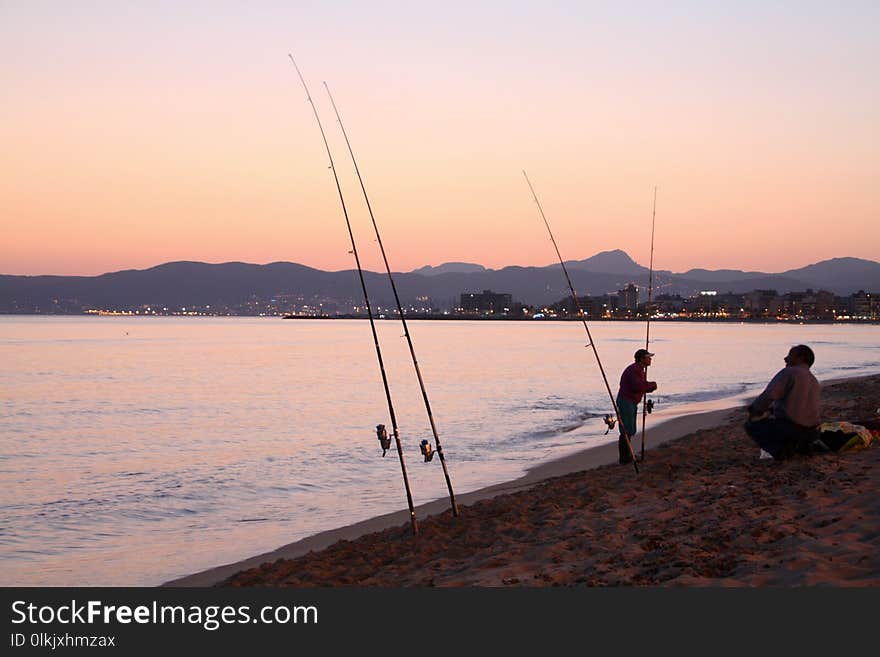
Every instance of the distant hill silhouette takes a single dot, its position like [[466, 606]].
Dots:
[[177, 284], [839, 273], [449, 268], [609, 262]]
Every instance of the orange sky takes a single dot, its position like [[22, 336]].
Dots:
[[136, 136]]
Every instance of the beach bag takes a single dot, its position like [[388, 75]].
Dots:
[[844, 436]]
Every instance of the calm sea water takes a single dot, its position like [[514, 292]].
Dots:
[[136, 450]]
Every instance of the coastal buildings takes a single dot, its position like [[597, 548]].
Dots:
[[816, 305], [757, 305], [628, 299], [486, 303]]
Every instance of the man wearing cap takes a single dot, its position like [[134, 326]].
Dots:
[[633, 385]]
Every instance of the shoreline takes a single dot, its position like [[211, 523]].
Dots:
[[586, 459]]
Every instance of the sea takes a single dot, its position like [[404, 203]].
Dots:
[[135, 450]]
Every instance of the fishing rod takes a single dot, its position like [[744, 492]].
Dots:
[[647, 405], [380, 429], [586, 326], [425, 445]]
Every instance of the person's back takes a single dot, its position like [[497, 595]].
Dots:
[[793, 394]]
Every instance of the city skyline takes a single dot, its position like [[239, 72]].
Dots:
[[236, 288], [149, 134]]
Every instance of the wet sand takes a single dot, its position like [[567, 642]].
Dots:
[[704, 511]]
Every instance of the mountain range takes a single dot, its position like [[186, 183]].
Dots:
[[177, 284]]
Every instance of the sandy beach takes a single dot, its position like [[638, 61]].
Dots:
[[704, 511]]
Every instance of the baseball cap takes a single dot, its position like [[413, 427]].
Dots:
[[641, 353]]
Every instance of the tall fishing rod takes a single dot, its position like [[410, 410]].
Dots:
[[380, 429], [586, 326], [646, 406], [406, 333]]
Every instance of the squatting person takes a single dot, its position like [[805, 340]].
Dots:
[[792, 400]]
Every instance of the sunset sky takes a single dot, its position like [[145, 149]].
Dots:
[[136, 133]]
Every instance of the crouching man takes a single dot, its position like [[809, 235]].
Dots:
[[792, 401]]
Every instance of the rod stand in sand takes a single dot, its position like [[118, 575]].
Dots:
[[400, 313], [592, 343], [380, 429]]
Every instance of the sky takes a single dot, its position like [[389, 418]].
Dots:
[[138, 133]]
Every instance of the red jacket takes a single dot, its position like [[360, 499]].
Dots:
[[634, 383]]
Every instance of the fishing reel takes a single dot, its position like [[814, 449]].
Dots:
[[427, 450], [609, 420], [649, 406], [384, 438]]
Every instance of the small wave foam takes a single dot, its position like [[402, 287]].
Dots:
[[548, 403], [706, 395], [556, 428], [862, 366]]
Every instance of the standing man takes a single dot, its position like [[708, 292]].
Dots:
[[792, 398], [633, 385]]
